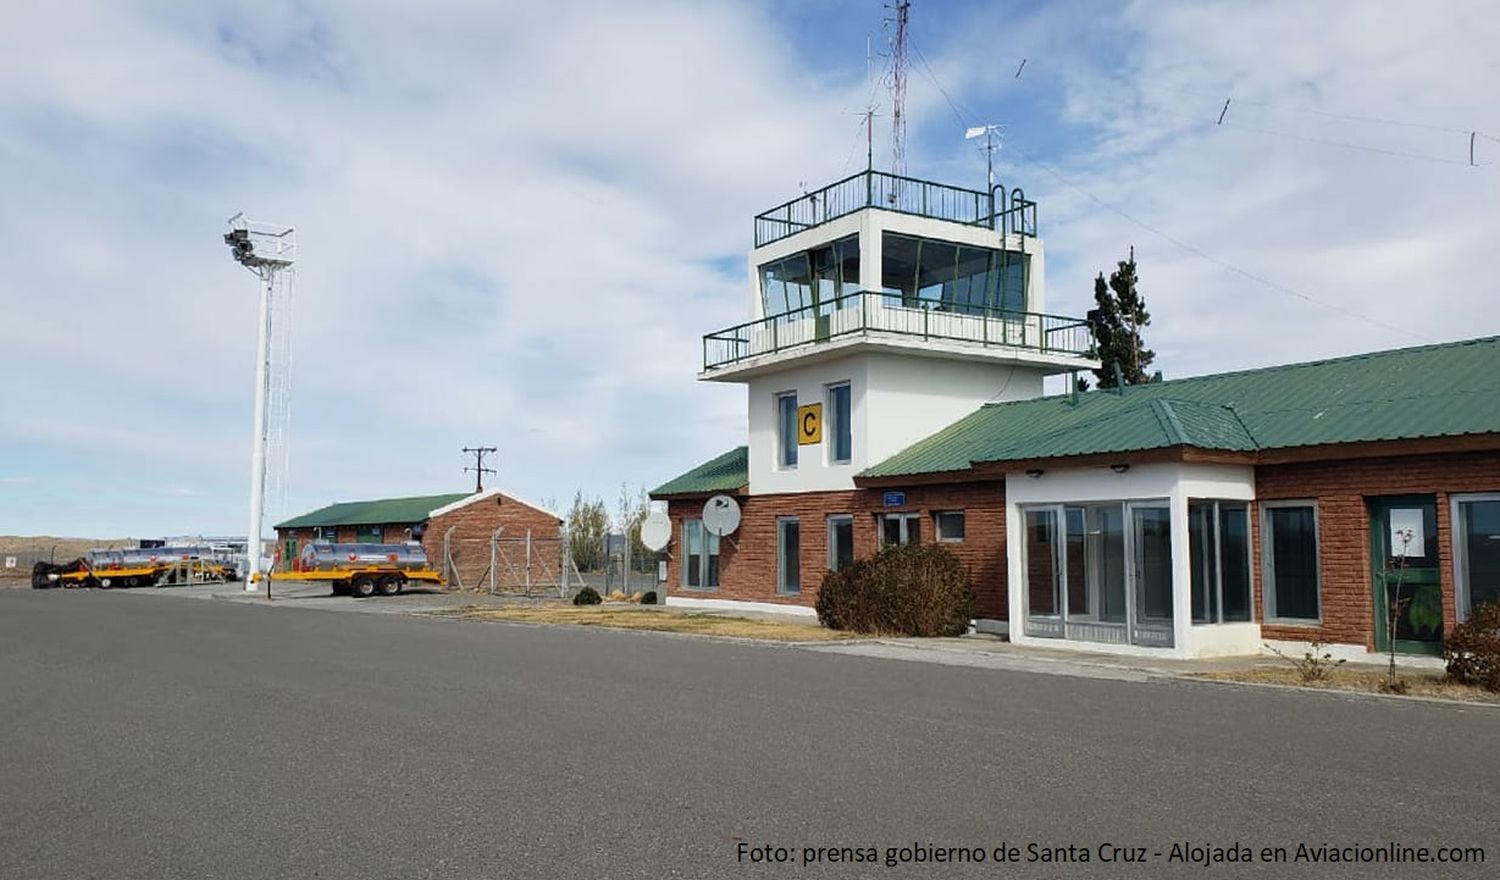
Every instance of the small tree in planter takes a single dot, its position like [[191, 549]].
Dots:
[[1394, 604]]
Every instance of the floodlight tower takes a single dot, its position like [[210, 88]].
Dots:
[[269, 251]]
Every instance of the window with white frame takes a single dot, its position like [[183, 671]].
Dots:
[[900, 528], [1289, 549], [788, 555], [840, 541], [1219, 553], [839, 430], [786, 430], [700, 558], [1476, 550], [949, 525]]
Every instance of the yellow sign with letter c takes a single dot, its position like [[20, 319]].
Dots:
[[809, 424]]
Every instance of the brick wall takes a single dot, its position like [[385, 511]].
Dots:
[[1341, 489], [747, 559], [474, 523]]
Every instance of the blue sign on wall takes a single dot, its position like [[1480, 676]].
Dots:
[[895, 498]]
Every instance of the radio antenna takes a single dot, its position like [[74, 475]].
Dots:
[[899, 63]]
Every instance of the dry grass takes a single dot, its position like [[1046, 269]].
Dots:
[[65, 548], [655, 620], [1419, 683]]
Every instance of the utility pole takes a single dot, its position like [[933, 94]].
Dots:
[[479, 469]]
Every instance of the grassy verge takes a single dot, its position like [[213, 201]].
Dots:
[[1419, 684], [655, 620]]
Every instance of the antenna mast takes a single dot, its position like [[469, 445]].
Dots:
[[269, 251], [898, 89]]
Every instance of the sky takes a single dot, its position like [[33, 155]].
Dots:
[[516, 221]]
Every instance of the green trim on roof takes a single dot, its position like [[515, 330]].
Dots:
[[1444, 390], [378, 512], [727, 473]]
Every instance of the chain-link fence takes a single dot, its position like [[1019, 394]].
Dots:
[[525, 563]]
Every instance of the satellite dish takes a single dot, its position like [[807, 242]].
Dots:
[[656, 531], [721, 515]]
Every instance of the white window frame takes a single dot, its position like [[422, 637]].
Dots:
[[1462, 600], [906, 517], [703, 559], [832, 424], [1218, 572], [937, 530], [783, 451], [1268, 563], [781, 586], [833, 519]]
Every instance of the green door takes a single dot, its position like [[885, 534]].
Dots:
[[288, 553], [1404, 559]]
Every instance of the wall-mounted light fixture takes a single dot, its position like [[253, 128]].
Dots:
[[1119, 468], [1034, 473]]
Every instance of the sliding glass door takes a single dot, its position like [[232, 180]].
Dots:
[[1092, 578], [1151, 570]]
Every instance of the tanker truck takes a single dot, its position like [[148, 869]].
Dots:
[[135, 567], [362, 570]]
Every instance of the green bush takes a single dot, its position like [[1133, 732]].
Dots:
[[1472, 649], [648, 597], [587, 596], [910, 589]]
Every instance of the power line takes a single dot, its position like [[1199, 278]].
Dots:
[[1177, 242], [1401, 154], [1202, 254], [1347, 117]]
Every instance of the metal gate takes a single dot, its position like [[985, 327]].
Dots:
[[524, 563]]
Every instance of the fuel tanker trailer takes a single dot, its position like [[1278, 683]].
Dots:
[[136, 567], [362, 570]]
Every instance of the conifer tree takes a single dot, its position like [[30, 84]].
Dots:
[[1116, 322]]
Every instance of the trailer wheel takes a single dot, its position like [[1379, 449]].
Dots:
[[390, 585], [362, 587], [131, 582], [104, 583]]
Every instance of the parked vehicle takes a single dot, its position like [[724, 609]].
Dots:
[[362, 570], [134, 567]]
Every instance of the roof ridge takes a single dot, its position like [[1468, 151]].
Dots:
[[1332, 360], [1176, 434], [1271, 368]]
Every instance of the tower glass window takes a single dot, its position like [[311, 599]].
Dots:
[[951, 277], [818, 276]]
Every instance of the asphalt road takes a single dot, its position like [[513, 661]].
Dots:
[[152, 737]]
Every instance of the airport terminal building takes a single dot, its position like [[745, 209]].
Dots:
[[894, 358]]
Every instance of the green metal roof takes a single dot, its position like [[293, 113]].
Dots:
[[370, 513], [1430, 391], [726, 473]]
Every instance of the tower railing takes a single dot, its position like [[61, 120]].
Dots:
[[1005, 212], [896, 315]]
